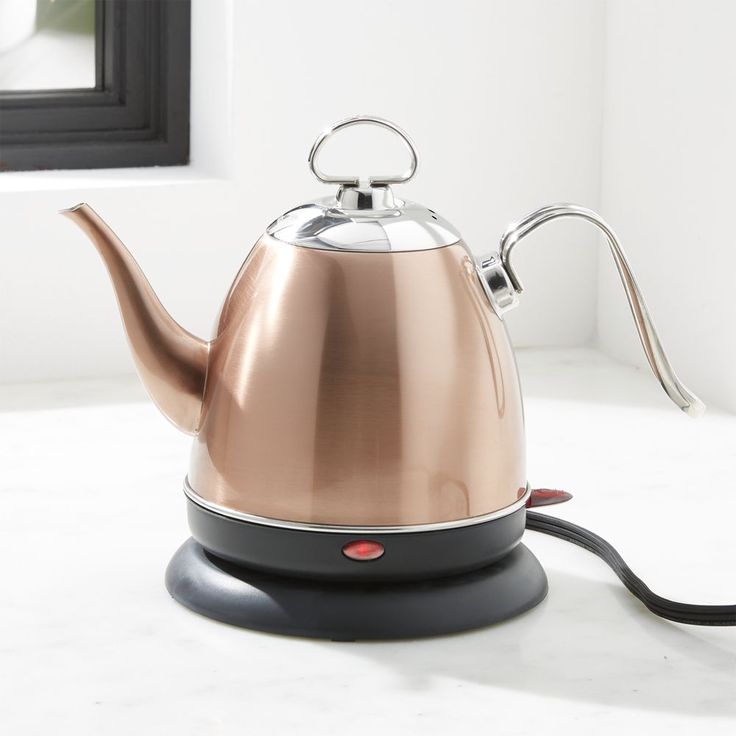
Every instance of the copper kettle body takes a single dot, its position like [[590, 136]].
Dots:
[[361, 374]]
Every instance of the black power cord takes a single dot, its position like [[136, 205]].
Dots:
[[684, 613]]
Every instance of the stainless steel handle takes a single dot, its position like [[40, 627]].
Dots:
[[653, 349], [354, 181]]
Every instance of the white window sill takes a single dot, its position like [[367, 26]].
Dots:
[[62, 180]]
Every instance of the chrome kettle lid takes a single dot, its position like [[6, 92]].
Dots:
[[363, 216]]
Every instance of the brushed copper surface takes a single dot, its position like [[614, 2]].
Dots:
[[359, 388], [340, 388], [171, 362]]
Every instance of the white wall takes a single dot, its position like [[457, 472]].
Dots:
[[669, 183], [502, 98]]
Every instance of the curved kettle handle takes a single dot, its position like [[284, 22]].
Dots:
[[653, 349]]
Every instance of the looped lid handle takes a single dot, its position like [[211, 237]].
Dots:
[[354, 181]]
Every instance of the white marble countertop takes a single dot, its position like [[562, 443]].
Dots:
[[91, 643]]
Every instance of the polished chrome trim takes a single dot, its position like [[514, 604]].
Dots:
[[193, 496], [656, 356], [363, 218], [496, 283], [354, 180], [323, 225]]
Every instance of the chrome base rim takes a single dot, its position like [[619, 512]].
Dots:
[[193, 496]]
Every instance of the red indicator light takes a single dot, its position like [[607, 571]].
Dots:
[[363, 550]]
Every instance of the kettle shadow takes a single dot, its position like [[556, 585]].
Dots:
[[588, 641]]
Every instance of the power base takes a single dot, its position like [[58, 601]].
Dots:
[[353, 611]]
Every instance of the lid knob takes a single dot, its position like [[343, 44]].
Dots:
[[377, 194]]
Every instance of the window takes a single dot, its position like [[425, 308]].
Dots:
[[135, 111]]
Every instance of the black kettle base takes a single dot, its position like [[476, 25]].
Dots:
[[349, 611]]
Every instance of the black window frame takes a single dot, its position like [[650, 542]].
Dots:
[[138, 112]]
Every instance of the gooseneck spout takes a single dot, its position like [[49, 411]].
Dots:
[[171, 362]]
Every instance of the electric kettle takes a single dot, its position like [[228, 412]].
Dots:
[[358, 463]]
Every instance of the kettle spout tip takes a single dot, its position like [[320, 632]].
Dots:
[[70, 210]]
